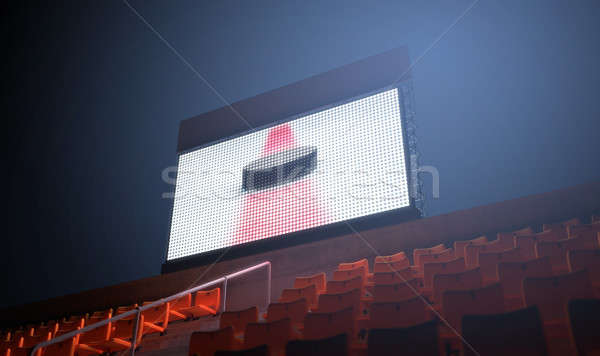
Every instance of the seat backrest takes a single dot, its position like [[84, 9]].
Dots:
[[584, 318], [512, 274], [158, 314], [400, 256], [397, 276], [557, 251], [354, 265], [526, 243], [472, 251], [63, 348], [66, 326], [417, 340], [391, 266], [459, 246], [484, 300], [345, 285], [318, 280], [101, 333], [275, 334], [418, 252], [345, 274], [291, 294], [205, 343], [29, 341], [332, 346], [295, 310], [239, 319], [334, 302], [518, 333], [468, 279], [209, 298], [507, 238], [585, 259], [441, 256], [488, 262], [400, 314], [123, 329], [551, 294], [261, 350], [395, 292], [50, 327], [325, 325], [432, 268]]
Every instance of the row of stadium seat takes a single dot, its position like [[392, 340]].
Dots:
[[502, 277], [442, 286], [113, 336]]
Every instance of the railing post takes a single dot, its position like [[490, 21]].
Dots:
[[224, 304], [136, 327]]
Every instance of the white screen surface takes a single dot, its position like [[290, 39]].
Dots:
[[356, 168]]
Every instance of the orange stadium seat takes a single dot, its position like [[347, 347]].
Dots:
[[325, 325], [64, 348], [418, 252], [551, 294], [156, 319], [125, 309], [274, 334], [332, 346], [395, 292], [417, 340], [472, 251], [28, 343], [488, 262], [239, 319], [517, 333], [334, 302], [557, 251], [584, 318], [291, 294], [469, 279], [201, 303], [205, 343], [67, 326], [432, 268], [459, 246], [507, 238], [98, 335], [526, 243], [441, 256], [341, 286], [458, 303], [261, 350], [512, 274], [318, 280], [49, 327], [354, 265], [295, 310], [121, 337], [391, 263], [401, 314], [589, 260]]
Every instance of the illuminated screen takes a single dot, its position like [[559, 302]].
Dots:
[[337, 164]]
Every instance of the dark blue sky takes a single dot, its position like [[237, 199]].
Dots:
[[507, 105]]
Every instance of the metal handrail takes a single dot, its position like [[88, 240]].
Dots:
[[137, 311]]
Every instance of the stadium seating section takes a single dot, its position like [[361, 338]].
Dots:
[[524, 292]]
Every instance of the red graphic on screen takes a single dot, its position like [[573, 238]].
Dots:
[[280, 210]]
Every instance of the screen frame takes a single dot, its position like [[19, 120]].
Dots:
[[330, 230]]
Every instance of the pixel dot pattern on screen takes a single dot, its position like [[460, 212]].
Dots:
[[337, 164]]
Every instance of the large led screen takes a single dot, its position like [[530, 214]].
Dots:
[[333, 165]]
